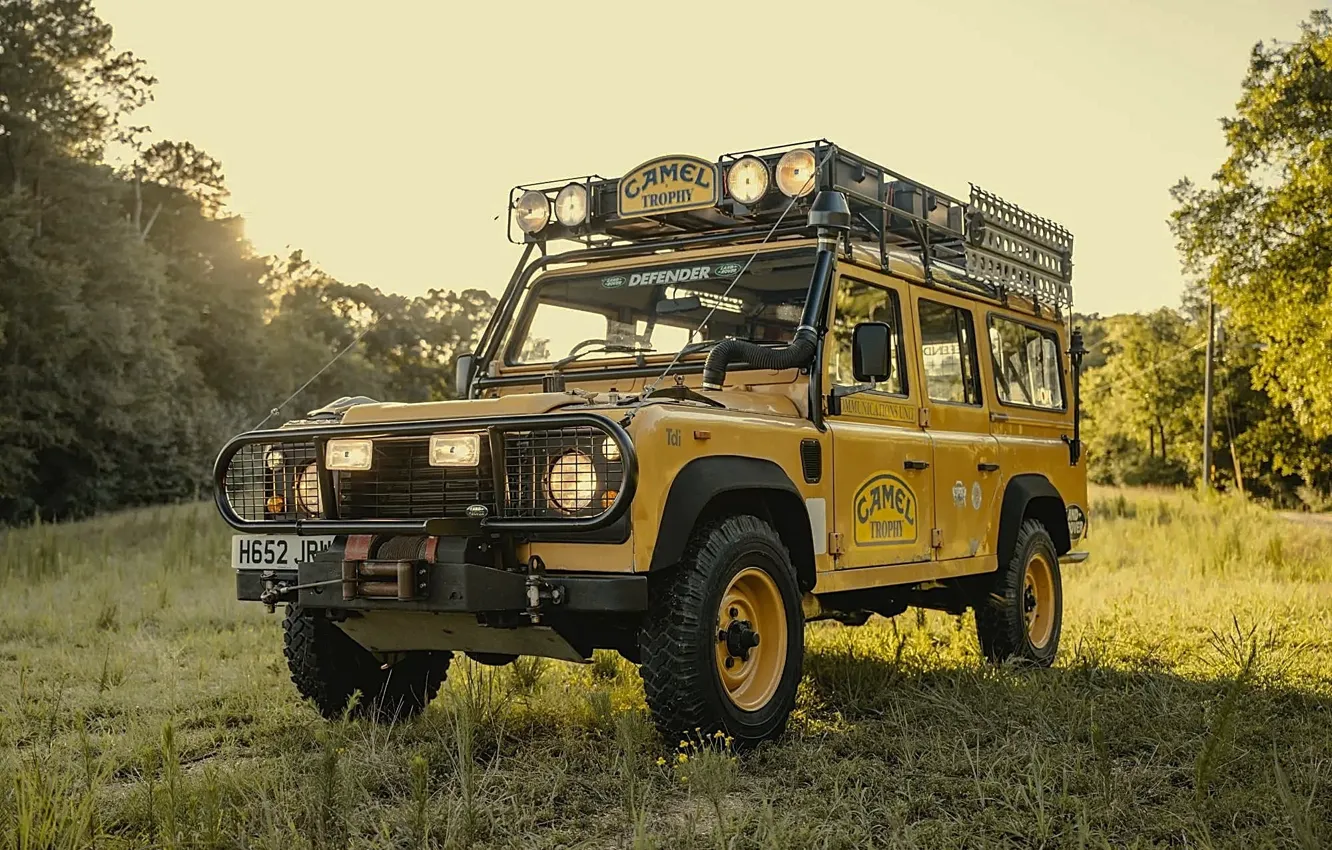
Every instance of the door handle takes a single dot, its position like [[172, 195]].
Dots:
[[916, 464], [988, 467]]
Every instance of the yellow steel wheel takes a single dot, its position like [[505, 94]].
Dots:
[[751, 638], [1038, 600]]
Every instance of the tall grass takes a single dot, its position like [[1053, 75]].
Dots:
[[1191, 706]]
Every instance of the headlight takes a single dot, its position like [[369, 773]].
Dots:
[[747, 180], [571, 482], [455, 450], [532, 212], [571, 205], [273, 459], [610, 449], [349, 454], [307, 489], [795, 173]]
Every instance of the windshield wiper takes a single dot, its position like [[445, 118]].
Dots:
[[607, 348]]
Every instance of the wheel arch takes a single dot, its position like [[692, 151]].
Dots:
[[1032, 496], [717, 485]]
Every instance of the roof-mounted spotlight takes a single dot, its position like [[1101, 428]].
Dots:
[[747, 180], [571, 205], [795, 173], [532, 211]]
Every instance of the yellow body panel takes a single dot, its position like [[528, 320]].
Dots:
[[877, 516]]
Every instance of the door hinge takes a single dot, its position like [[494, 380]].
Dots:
[[835, 543], [923, 417], [936, 537]]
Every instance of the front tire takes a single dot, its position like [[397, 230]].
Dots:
[[724, 639], [327, 667], [1022, 615]]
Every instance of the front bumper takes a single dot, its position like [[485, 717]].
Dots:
[[456, 588]]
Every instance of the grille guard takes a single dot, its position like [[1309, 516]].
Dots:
[[493, 426]]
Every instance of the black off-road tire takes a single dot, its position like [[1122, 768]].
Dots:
[[327, 667], [678, 639], [1001, 624]]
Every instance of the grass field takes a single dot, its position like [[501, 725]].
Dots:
[[1191, 706]]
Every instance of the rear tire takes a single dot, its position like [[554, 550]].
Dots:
[[327, 667], [723, 643], [1022, 615]]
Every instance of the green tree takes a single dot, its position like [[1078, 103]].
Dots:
[[1259, 234], [138, 327], [1144, 403]]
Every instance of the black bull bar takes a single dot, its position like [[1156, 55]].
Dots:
[[492, 426]]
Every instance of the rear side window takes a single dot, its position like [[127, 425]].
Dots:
[[859, 302], [1026, 365], [948, 353]]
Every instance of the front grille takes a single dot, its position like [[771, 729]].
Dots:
[[401, 484], [547, 473], [560, 472], [273, 481]]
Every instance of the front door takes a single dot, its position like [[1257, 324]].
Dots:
[[882, 504], [966, 456]]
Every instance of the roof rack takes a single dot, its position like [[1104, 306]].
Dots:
[[997, 247]]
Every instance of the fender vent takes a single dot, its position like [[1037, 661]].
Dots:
[[811, 460]]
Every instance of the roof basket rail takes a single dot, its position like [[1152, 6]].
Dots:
[[1018, 252], [985, 243]]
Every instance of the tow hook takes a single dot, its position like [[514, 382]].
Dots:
[[539, 590], [274, 591]]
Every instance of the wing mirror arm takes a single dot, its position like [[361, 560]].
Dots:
[[465, 369]]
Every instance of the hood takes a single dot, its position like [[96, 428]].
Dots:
[[509, 405], [772, 404]]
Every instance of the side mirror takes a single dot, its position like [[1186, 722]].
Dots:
[[871, 352], [465, 366]]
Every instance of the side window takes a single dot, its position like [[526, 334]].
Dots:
[[858, 302], [1026, 364], [948, 353]]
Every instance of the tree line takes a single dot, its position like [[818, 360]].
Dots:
[[1258, 239], [138, 327]]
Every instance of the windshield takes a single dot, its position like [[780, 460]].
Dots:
[[661, 308]]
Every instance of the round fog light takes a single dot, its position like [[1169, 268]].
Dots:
[[532, 211], [747, 180], [571, 205], [307, 489], [571, 481], [795, 173]]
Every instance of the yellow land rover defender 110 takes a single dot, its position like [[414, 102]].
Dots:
[[780, 386]]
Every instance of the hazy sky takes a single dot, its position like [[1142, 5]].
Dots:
[[382, 138]]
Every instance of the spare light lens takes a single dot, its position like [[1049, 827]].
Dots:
[[532, 212], [795, 173], [455, 450], [747, 180], [349, 454], [571, 482], [571, 205]]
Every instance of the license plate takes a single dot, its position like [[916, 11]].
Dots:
[[274, 551]]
